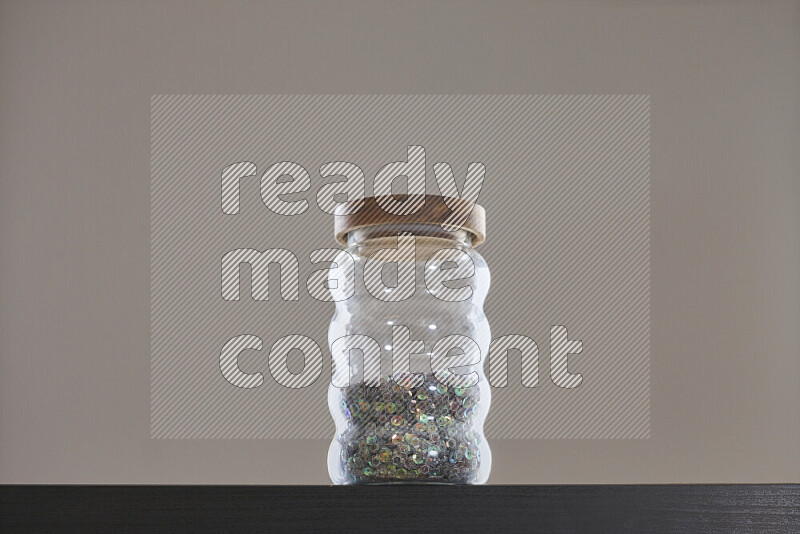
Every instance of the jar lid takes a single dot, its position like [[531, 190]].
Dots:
[[434, 211]]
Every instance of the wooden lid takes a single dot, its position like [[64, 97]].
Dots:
[[434, 211]]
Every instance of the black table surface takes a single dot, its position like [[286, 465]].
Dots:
[[411, 508]]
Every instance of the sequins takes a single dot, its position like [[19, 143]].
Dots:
[[445, 420], [397, 433]]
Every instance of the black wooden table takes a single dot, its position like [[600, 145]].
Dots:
[[445, 509]]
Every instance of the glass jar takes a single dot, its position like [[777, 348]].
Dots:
[[409, 395]]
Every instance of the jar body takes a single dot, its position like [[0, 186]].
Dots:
[[414, 421]]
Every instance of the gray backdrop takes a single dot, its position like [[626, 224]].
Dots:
[[77, 80], [567, 189]]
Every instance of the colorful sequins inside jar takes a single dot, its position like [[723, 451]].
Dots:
[[396, 433], [407, 411]]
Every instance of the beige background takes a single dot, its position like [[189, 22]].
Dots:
[[580, 189], [75, 84]]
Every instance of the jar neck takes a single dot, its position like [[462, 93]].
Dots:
[[362, 235]]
